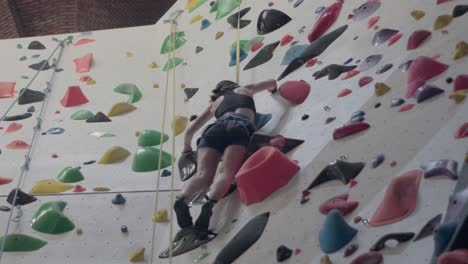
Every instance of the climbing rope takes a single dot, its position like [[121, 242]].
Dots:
[[36, 129], [238, 45]]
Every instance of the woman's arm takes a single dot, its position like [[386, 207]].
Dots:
[[194, 127], [254, 88]]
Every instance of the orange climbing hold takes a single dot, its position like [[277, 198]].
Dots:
[[373, 21], [406, 107], [344, 93], [263, 173], [17, 145], [394, 39], [350, 74], [295, 92], [83, 64], [73, 97], [13, 127]]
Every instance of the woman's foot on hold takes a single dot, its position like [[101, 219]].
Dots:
[[181, 208], [203, 221]]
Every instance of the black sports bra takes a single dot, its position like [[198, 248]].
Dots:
[[233, 101]]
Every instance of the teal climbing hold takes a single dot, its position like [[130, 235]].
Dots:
[[49, 219], [130, 89], [204, 24], [224, 7], [335, 232], [21, 243], [172, 63], [261, 120], [82, 115]]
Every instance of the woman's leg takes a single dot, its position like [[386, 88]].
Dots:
[[207, 162]]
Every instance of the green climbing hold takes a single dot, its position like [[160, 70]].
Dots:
[[224, 7], [149, 138], [82, 115], [172, 63], [243, 45], [214, 7], [147, 159], [130, 89], [179, 40], [70, 175], [49, 219], [249, 45], [21, 243]]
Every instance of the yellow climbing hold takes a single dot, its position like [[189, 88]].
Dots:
[[195, 19], [128, 54], [461, 50], [417, 14], [137, 133], [466, 158], [376, 27], [120, 109], [393, 163], [442, 21], [182, 85], [90, 82], [325, 260], [50, 186], [457, 97], [160, 216], [137, 255], [381, 89], [153, 65], [219, 35], [179, 124], [101, 189], [79, 231], [156, 85], [114, 155]]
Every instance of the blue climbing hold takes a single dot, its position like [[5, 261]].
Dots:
[[397, 102], [58, 70], [19, 46], [124, 229], [165, 173], [335, 232], [358, 113], [35, 56], [31, 109], [442, 237], [242, 56], [24, 77], [55, 130], [293, 53], [23, 58], [358, 119], [118, 199], [261, 120], [205, 23], [298, 3]]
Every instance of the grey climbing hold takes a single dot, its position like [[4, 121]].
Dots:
[[426, 92], [447, 168], [31, 109], [5, 208], [28, 96], [397, 102], [283, 253], [36, 45], [383, 35], [329, 120], [98, 117], [338, 170], [358, 113], [370, 62], [198, 49], [270, 20], [118, 199], [124, 229], [190, 92], [41, 66], [378, 160], [404, 67], [384, 68], [233, 19], [357, 119], [429, 227], [165, 173], [17, 117], [55, 130], [366, 10]]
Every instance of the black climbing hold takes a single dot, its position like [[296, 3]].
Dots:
[[283, 253], [188, 239], [356, 37], [22, 198], [304, 117], [17, 117], [333, 71], [378, 160], [124, 229], [315, 48], [28, 96], [377, 105], [399, 237], [41, 66], [459, 10], [198, 49], [304, 200], [165, 173], [36, 45], [234, 18], [31, 109], [397, 102], [187, 165], [429, 227], [89, 162], [358, 113], [271, 20], [190, 92], [449, 80], [338, 170], [243, 240], [259, 140], [348, 61], [193, 117], [44, 133], [329, 120], [264, 55], [4, 208], [118, 199], [99, 117]]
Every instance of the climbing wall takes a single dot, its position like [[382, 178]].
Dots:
[[347, 73]]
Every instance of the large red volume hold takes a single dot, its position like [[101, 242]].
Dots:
[[73, 97], [458, 256], [295, 92], [349, 129], [266, 171], [326, 19], [425, 68]]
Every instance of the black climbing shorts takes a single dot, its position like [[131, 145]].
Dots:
[[229, 129]]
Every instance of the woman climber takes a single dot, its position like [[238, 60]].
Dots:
[[227, 138]]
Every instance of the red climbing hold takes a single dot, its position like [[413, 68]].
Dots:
[[372, 257], [263, 173], [365, 81], [352, 183], [297, 251], [13, 127], [458, 256], [4, 181], [417, 38], [83, 64], [442, 1], [425, 68], [83, 41], [79, 188], [461, 83], [310, 63], [85, 78], [256, 46], [270, 3], [73, 97], [295, 91], [350, 74], [393, 39], [325, 20], [339, 203], [286, 40], [412, 87], [7, 89], [349, 129], [462, 131], [373, 21], [357, 219], [406, 107], [344, 93], [17, 145]]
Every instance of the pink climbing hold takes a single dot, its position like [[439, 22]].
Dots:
[[54, 156], [297, 251], [425, 68], [461, 83], [436, 56], [412, 87], [270, 3], [295, 92], [325, 20], [406, 107], [256, 46], [17, 145], [311, 63], [417, 38], [266, 171], [7, 89], [85, 78], [83, 41], [458, 256], [73, 97], [462, 131], [350, 74], [365, 81], [286, 40], [83, 64], [442, 1], [13, 127], [357, 219], [79, 188], [349, 129], [400, 199], [393, 39], [352, 183], [339, 203], [372, 257], [344, 93], [373, 21], [4, 180]]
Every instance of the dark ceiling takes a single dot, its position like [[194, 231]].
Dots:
[[27, 18]]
